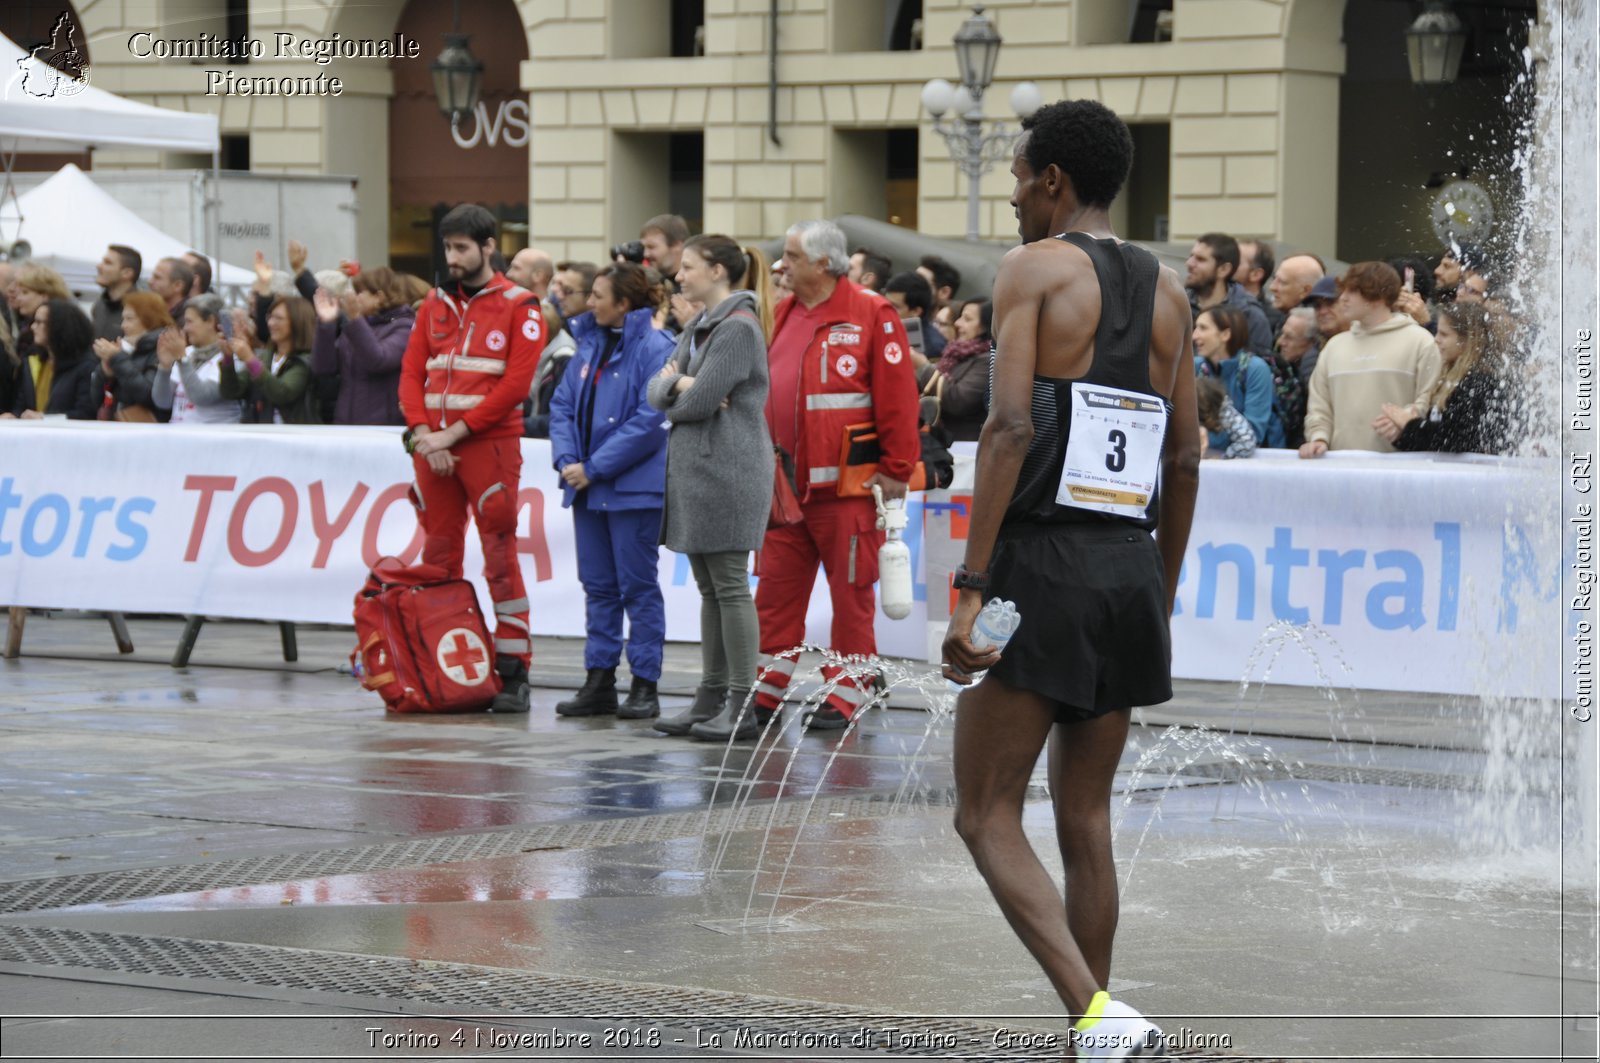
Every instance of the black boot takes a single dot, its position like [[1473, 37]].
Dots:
[[513, 696], [707, 700], [597, 696], [642, 703], [729, 723]]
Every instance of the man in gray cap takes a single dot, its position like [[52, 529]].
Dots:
[[1324, 299]]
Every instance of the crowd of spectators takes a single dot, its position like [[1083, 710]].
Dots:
[[692, 397], [1306, 360], [310, 348]]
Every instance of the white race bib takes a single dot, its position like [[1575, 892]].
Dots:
[[1113, 450]]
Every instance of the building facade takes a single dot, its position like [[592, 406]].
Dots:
[[746, 115]]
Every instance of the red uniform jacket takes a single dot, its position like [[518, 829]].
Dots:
[[473, 360], [856, 368]]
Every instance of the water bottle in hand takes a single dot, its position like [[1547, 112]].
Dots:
[[996, 623]]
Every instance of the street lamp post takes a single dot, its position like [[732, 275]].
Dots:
[[975, 145]]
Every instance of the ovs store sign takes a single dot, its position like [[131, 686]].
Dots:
[[508, 123]]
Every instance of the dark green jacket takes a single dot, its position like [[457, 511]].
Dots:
[[287, 392]]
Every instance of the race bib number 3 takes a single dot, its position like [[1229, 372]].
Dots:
[[1113, 450]]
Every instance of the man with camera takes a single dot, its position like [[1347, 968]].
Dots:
[[662, 238]]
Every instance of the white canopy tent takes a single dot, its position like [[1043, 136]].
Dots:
[[42, 111], [70, 220]]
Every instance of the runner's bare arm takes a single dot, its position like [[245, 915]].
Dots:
[[1180, 458], [1018, 301]]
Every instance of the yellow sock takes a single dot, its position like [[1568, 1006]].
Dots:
[[1091, 1015]]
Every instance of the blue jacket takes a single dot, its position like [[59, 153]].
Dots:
[[1252, 393], [626, 457]]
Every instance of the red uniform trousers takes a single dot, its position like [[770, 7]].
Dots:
[[842, 533], [486, 478]]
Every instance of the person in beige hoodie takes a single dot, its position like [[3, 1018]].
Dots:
[[1385, 357]]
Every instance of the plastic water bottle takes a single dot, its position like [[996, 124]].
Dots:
[[894, 559], [997, 621]]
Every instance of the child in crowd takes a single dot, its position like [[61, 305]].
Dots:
[[1218, 415]]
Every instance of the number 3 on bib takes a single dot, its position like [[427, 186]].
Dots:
[[1113, 450], [1117, 460]]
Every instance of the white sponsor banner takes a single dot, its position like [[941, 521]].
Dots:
[[1432, 573], [1416, 573], [275, 523]]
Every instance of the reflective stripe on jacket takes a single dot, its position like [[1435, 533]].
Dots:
[[472, 360], [856, 368]]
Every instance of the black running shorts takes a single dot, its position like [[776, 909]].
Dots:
[[1092, 598]]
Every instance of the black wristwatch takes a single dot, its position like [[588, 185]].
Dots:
[[965, 580]]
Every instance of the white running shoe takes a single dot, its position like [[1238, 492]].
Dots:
[[1119, 1033]]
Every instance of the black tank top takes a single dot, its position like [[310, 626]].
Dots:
[[1127, 276]]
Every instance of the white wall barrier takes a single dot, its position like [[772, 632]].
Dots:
[[1433, 575]]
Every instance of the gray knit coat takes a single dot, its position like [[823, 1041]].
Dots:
[[719, 459]]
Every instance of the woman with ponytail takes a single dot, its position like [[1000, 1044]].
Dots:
[[719, 471]]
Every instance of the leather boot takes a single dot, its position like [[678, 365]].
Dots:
[[707, 700], [597, 696], [642, 703], [729, 723], [513, 696]]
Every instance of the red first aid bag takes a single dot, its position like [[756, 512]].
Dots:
[[422, 641]]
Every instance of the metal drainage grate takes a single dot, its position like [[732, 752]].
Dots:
[[393, 984], [101, 887]]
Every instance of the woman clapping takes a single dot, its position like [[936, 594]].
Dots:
[[128, 367], [277, 380], [364, 345]]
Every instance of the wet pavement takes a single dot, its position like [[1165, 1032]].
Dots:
[[248, 856]]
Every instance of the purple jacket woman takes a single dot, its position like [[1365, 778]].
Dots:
[[363, 348]]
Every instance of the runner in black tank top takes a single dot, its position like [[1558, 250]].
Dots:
[[1093, 407], [1127, 276], [1089, 583]]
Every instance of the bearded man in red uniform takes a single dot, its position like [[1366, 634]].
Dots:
[[465, 375], [839, 358]]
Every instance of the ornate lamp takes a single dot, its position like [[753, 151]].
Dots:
[[1435, 43], [977, 45], [457, 74]]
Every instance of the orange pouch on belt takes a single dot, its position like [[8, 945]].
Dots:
[[858, 462]]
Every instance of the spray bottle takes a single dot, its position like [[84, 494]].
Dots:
[[894, 558]]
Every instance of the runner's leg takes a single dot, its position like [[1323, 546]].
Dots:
[[1083, 760], [1000, 731]]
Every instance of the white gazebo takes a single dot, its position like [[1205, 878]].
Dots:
[[69, 221], [42, 111]]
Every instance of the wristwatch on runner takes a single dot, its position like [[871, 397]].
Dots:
[[965, 580]]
